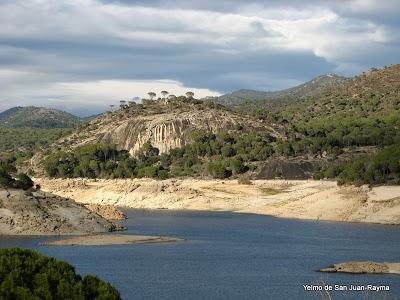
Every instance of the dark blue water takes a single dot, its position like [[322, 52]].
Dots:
[[233, 256]]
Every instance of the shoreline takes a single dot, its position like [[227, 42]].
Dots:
[[294, 199]]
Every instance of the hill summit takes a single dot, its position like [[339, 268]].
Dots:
[[38, 117], [165, 123]]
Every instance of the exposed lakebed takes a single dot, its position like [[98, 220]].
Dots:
[[232, 256]]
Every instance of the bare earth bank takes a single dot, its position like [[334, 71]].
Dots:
[[303, 199]]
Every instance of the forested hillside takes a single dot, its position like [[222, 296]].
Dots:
[[37, 117], [25, 130], [364, 111], [250, 100], [351, 130]]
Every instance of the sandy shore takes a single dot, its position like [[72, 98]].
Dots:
[[110, 239], [303, 199]]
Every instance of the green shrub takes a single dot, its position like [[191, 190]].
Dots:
[[218, 170], [379, 168]]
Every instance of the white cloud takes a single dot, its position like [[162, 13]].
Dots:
[[96, 94]]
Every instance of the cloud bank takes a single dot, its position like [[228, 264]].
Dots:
[[81, 54]]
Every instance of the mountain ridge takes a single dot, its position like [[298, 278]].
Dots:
[[275, 100]]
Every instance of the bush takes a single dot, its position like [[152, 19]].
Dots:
[[23, 182], [218, 170], [237, 166], [25, 274]]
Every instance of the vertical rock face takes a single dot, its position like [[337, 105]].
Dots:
[[164, 127], [165, 136]]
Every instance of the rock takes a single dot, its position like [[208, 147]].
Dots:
[[363, 267], [108, 212], [47, 214], [166, 127]]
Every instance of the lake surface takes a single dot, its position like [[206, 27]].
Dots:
[[232, 256]]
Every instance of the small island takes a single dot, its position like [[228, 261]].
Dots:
[[110, 239], [364, 267]]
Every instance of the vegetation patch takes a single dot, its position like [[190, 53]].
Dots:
[[9, 178], [25, 274], [382, 167]]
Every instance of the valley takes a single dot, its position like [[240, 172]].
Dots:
[[332, 153]]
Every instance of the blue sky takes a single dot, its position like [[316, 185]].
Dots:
[[82, 55]]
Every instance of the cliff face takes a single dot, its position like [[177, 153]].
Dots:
[[165, 127]]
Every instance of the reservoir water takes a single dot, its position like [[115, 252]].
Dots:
[[233, 256]]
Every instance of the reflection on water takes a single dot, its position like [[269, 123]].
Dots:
[[232, 256]]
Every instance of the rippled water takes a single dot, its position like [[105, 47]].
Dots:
[[233, 256]]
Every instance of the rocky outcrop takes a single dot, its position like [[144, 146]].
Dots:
[[364, 267], [165, 126], [39, 213], [108, 212]]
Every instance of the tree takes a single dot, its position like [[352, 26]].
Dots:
[[237, 166], [25, 274], [190, 94], [112, 107], [23, 181], [151, 95], [218, 170], [122, 103], [5, 178], [149, 150], [164, 93]]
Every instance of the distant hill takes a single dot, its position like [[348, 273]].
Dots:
[[37, 117], [372, 94], [91, 117], [278, 99]]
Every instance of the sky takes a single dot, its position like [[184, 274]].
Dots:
[[83, 55]]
